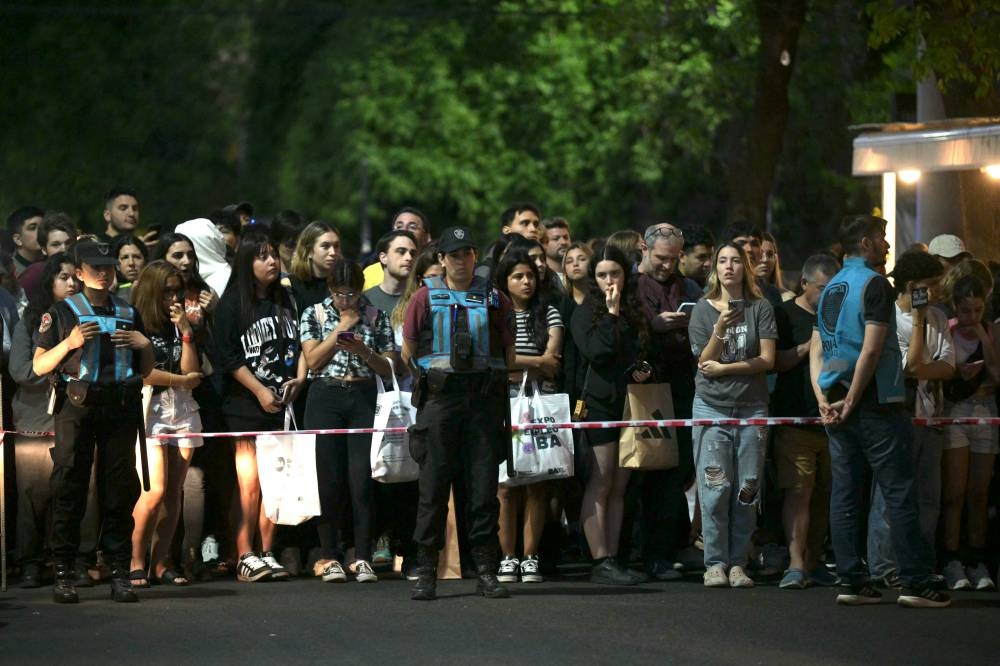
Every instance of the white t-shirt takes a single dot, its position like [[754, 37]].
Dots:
[[937, 347]]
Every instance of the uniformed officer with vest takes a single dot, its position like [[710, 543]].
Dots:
[[93, 346], [856, 371], [458, 336]]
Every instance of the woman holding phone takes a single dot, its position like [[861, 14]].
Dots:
[[258, 349], [733, 335], [172, 409], [970, 450], [345, 342]]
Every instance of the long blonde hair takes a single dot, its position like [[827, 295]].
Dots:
[[301, 265], [750, 289]]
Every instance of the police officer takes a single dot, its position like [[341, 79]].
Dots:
[[93, 346], [458, 335]]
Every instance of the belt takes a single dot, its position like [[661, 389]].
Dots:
[[347, 384]]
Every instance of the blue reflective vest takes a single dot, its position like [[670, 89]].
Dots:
[[90, 361], [436, 338], [841, 319]]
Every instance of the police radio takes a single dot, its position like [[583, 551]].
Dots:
[[461, 339]]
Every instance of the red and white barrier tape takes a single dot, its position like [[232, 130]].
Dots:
[[580, 425]]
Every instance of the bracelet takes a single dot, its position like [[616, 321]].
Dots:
[[723, 338], [186, 339]]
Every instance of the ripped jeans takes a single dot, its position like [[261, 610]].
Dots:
[[726, 457]]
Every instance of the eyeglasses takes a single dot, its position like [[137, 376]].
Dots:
[[666, 232], [345, 294]]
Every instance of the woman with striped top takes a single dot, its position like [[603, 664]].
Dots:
[[538, 343]]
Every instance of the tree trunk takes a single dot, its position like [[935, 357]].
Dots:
[[751, 177]]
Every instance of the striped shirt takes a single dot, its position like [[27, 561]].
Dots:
[[524, 342]]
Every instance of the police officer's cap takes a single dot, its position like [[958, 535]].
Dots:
[[94, 253], [454, 238]]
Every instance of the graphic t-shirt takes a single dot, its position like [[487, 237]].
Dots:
[[268, 347], [742, 343]]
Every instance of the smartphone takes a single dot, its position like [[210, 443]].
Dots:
[[345, 336], [738, 305], [686, 308], [918, 297]]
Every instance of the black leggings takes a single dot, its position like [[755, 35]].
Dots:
[[343, 464]]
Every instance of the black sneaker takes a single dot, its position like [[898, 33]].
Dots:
[[923, 597], [609, 573], [860, 595], [252, 569]]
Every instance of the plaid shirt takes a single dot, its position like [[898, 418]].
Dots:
[[373, 329]]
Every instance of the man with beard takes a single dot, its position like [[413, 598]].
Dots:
[[696, 259], [557, 241], [406, 218], [396, 252], [661, 291]]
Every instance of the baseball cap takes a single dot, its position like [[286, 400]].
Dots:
[[455, 238], [94, 253], [947, 246]]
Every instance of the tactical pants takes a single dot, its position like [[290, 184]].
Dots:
[[458, 435], [80, 432]]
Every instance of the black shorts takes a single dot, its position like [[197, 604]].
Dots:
[[243, 413]]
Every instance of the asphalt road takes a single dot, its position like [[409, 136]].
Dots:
[[561, 622]]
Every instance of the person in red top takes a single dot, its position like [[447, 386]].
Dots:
[[458, 334]]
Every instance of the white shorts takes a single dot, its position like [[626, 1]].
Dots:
[[173, 411], [978, 438]]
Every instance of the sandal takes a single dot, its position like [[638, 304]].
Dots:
[[171, 577], [138, 578]]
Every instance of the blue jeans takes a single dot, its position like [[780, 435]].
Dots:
[[927, 446], [724, 457], [883, 439]]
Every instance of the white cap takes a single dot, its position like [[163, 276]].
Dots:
[[947, 246]]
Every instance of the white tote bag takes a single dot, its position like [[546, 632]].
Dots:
[[538, 455], [286, 465], [390, 453]]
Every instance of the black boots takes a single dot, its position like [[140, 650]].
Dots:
[[486, 573], [64, 591], [426, 587], [121, 586]]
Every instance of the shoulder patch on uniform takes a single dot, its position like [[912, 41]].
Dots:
[[46, 323]]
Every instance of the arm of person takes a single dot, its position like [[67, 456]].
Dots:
[[752, 366], [871, 349], [269, 402], [21, 358], [990, 353], [45, 361], [786, 359]]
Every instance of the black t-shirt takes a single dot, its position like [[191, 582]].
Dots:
[[793, 394], [308, 293], [56, 325], [268, 347]]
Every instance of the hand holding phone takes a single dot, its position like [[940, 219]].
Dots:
[[686, 308], [919, 297], [737, 307], [345, 336]]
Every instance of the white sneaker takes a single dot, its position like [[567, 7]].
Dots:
[[363, 572], [334, 573], [209, 549], [252, 569], [278, 572], [739, 578], [979, 578], [509, 568], [529, 570], [715, 576], [954, 576]]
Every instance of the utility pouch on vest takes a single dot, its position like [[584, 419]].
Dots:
[[461, 340], [436, 380], [76, 391]]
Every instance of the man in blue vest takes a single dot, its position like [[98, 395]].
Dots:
[[458, 333], [856, 374], [93, 345]]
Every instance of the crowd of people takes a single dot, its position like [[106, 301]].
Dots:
[[232, 323]]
